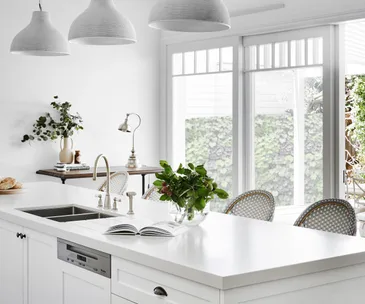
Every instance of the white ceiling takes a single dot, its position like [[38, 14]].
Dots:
[[237, 5], [234, 5]]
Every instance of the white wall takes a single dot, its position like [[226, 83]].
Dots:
[[296, 14], [103, 84]]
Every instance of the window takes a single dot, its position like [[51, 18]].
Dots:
[[258, 112], [287, 102], [202, 112]]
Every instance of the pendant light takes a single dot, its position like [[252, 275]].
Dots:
[[40, 38], [102, 24], [190, 16]]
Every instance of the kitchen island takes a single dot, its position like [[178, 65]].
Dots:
[[226, 259]]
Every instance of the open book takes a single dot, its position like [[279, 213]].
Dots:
[[129, 226]]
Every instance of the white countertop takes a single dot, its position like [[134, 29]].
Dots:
[[223, 252]]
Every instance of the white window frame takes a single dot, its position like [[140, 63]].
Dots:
[[236, 43], [242, 120], [330, 142]]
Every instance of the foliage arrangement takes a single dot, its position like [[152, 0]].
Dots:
[[190, 188], [47, 128]]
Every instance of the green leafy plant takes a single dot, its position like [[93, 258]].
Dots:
[[190, 188], [48, 128]]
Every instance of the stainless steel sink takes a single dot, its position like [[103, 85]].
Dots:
[[58, 211], [68, 213], [80, 217]]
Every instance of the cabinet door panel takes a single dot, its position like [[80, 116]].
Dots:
[[82, 286], [11, 264], [44, 285], [137, 284], [119, 300]]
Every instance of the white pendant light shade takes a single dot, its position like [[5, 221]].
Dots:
[[190, 16], [102, 24], [40, 38]]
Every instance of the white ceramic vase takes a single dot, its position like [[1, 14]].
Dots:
[[66, 154]]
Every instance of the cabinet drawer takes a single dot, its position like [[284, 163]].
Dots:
[[136, 283], [118, 300]]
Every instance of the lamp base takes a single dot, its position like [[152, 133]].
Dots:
[[133, 162]]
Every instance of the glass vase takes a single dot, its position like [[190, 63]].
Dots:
[[187, 217]]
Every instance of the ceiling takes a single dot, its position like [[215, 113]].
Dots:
[[237, 5], [234, 5]]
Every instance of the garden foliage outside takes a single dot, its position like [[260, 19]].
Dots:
[[209, 140], [355, 109], [274, 157]]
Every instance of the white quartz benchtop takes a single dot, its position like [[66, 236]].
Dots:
[[223, 252]]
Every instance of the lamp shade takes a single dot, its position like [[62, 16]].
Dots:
[[124, 127], [40, 38], [102, 24], [190, 16]]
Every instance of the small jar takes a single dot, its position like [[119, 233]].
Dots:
[[77, 157]]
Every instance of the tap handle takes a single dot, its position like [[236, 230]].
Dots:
[[100, 201], [115, 205], [131, 194]]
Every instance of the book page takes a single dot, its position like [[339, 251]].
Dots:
[[167, 229], [128, 226]]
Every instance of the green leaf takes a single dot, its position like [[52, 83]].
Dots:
[[180, 170], [164, 197], [203, 192], [221, 193], [187, 172], [191, 166], [158, 183], [200, 204], [163, 163], [160, 176], [201, 170]]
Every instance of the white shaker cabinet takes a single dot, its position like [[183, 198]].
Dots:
[[28, 266], [119, 300], [144, 285], [42, 271], [12, 264], [82, 286]]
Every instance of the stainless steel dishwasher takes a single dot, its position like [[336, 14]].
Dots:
[[84, 257]]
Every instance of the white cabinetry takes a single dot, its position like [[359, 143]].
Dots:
[[82, 286], [12, 270], [144, 285], [43, 281], [28, 266], [119, 300], [335, 286]]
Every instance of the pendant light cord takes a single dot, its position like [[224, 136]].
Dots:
[[40, 6]]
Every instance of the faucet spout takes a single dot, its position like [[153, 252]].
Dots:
[[107, 203]]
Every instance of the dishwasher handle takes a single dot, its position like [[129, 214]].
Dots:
[[80, 251]]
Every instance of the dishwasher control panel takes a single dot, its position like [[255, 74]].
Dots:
[[84, 257]]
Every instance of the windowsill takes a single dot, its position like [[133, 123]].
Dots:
[[288, 214], [290, 209]]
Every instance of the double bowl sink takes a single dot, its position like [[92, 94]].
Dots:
[[69, 213]]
